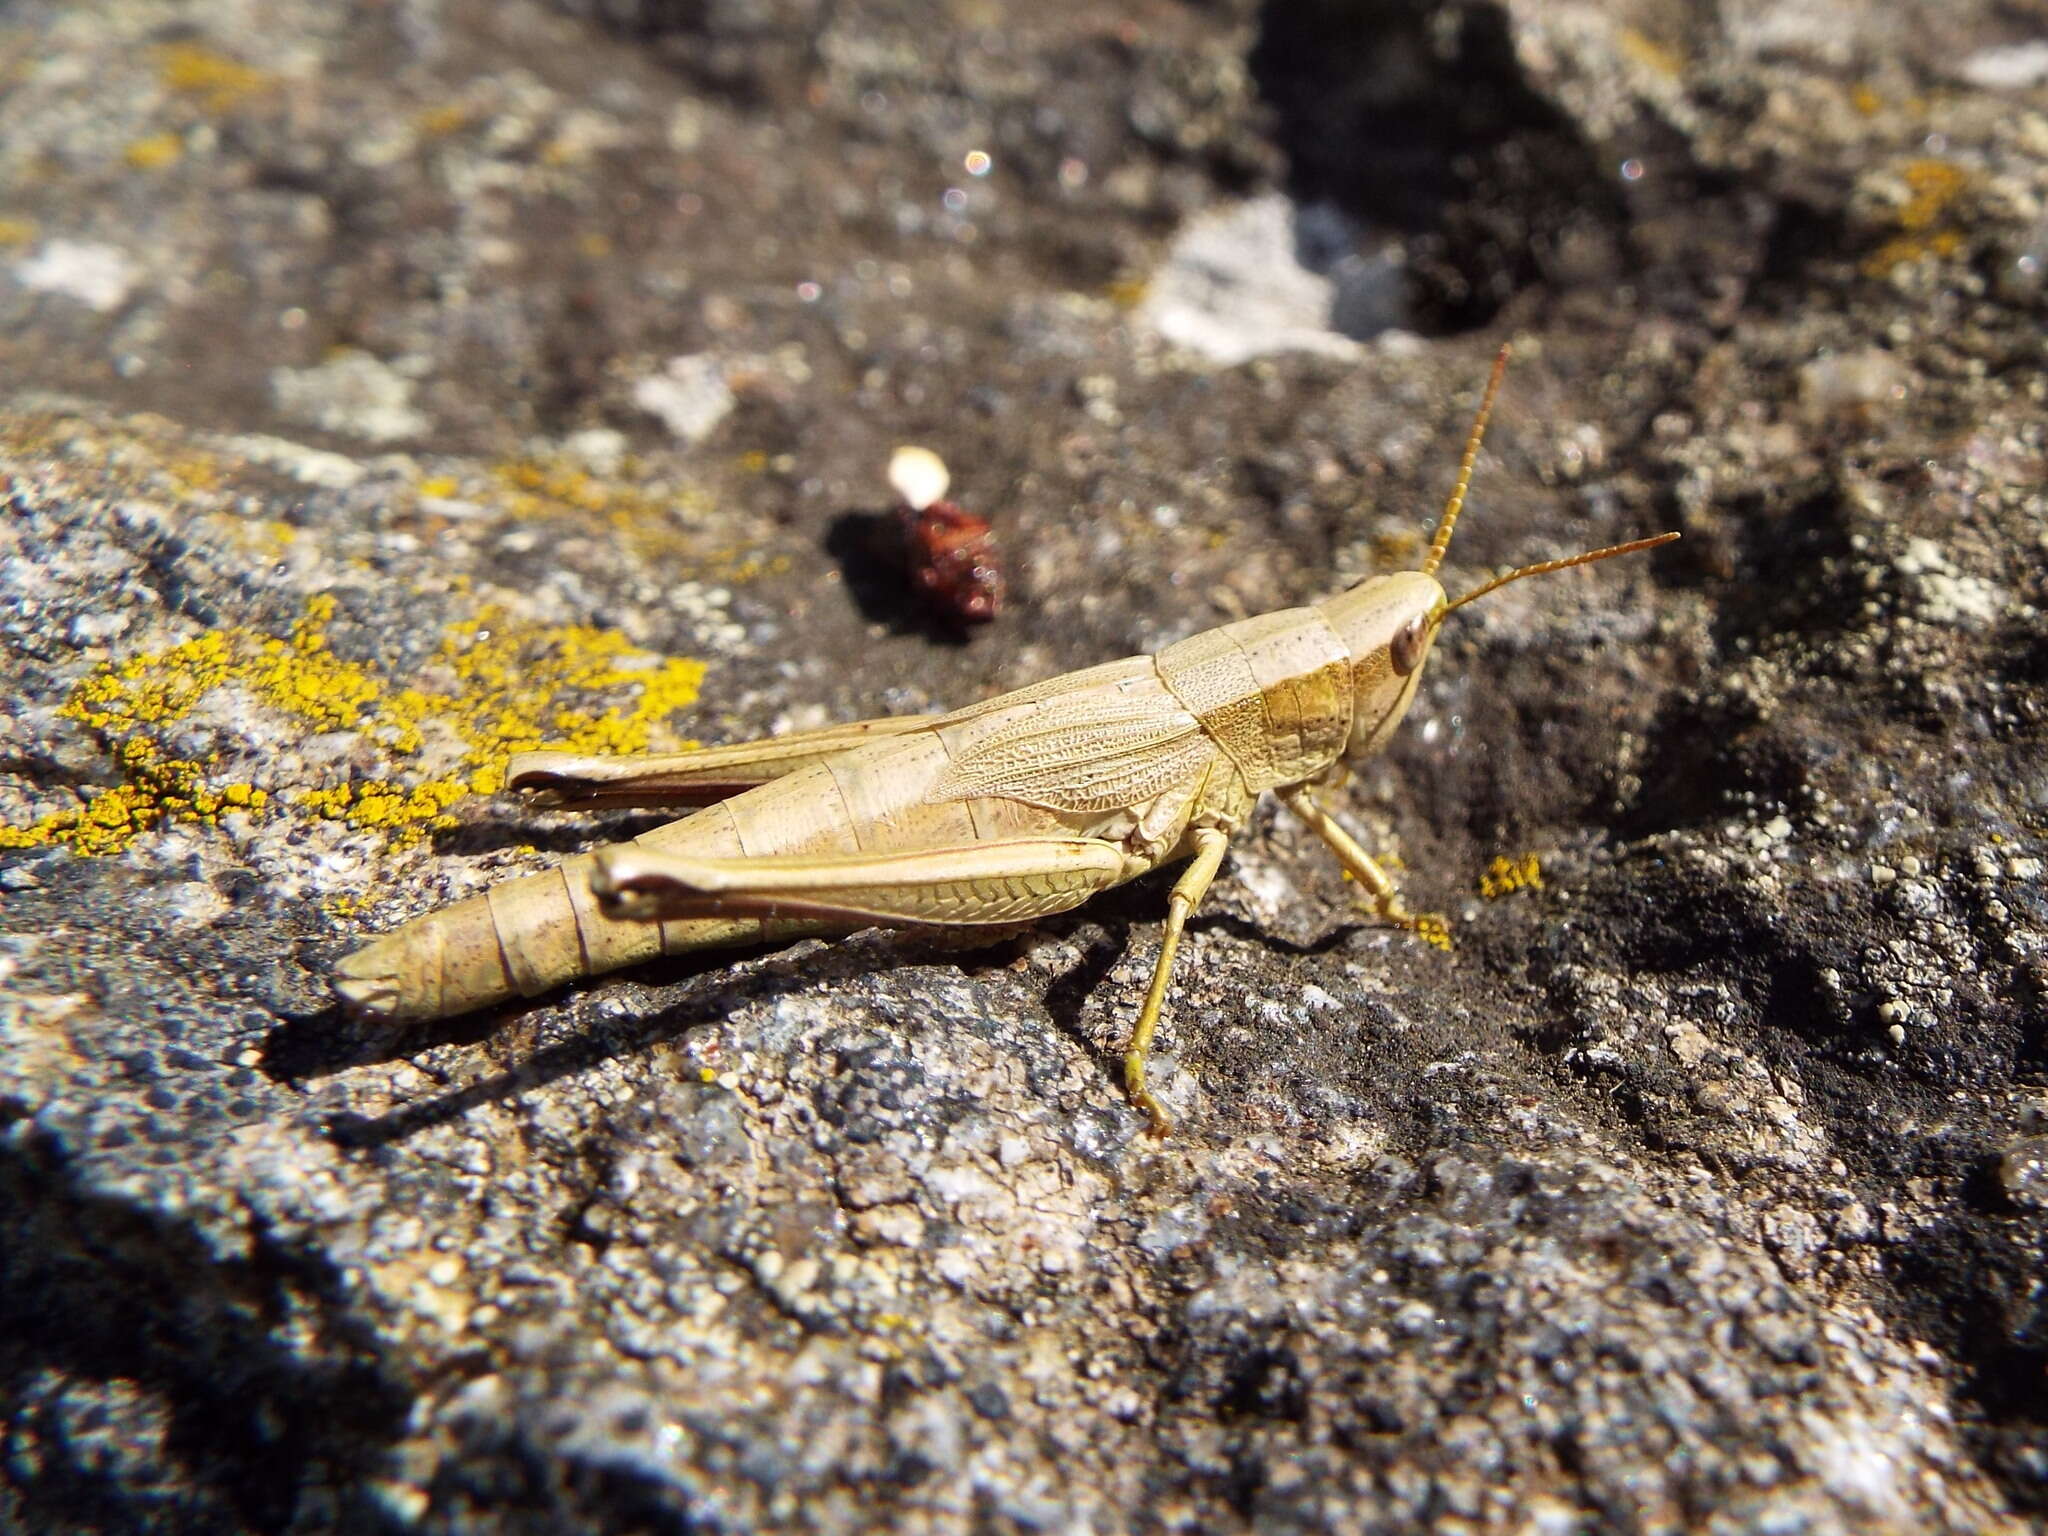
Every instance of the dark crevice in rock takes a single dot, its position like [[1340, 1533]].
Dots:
[[1414, 118], [102, 1300]]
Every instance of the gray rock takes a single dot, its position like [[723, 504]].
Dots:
[[1696, 1189]]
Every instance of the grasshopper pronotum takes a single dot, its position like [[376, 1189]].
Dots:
[[1005, 811]]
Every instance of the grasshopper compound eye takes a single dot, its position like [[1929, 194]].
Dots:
[[1409, 642]]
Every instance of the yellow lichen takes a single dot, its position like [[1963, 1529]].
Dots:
[[154, 152], [1507, 875], [17, 231], [439, 122], [221, 83], [1433, 930], [495, 686], [1925, 220], [653, 522], [193, 471], [562, 483], [1659, 58], [1128, 292]]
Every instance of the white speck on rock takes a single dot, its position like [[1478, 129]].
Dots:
[[1967, 602], [1267, 884], [92, 628], [98, 276], [1843, 381], [308, 466], [689, 396], [352, 394], [1946, 596], [1859, 1461], [1178, 1227], [2017, 67], [599, 449], [195, 904]]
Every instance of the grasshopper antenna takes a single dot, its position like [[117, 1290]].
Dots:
[[1559, 565], [1456, 504]]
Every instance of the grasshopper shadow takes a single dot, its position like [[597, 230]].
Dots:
[[805, 966], [570, 831], [327, 1040], [324, 1041]]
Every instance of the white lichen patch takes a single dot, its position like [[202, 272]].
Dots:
[[1233, 287], [689, 396], [2013, 67], [1943, 594], [351, 394], [91, 273], [308, 466]]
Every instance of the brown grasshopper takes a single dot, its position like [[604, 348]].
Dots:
[[1002, 812]]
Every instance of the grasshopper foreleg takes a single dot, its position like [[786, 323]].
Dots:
[[1384, 898], [1188, 891]]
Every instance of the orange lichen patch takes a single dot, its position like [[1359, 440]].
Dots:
[[158, 788], [1505, 876], [744, 568], [154, 152], [1925, 220], [17, 231], [220, 83], [1866, 100], [516, 687], [496, 686]]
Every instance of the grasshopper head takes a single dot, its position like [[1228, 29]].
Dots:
[[1390, 622]]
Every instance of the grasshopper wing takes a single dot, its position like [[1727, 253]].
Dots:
[[1093, 752]]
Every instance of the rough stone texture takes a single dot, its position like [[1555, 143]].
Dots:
[[1701, 1188]]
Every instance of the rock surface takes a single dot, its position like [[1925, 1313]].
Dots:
[[389, 387]]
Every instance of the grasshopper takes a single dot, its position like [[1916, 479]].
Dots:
[[1003, 812]]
